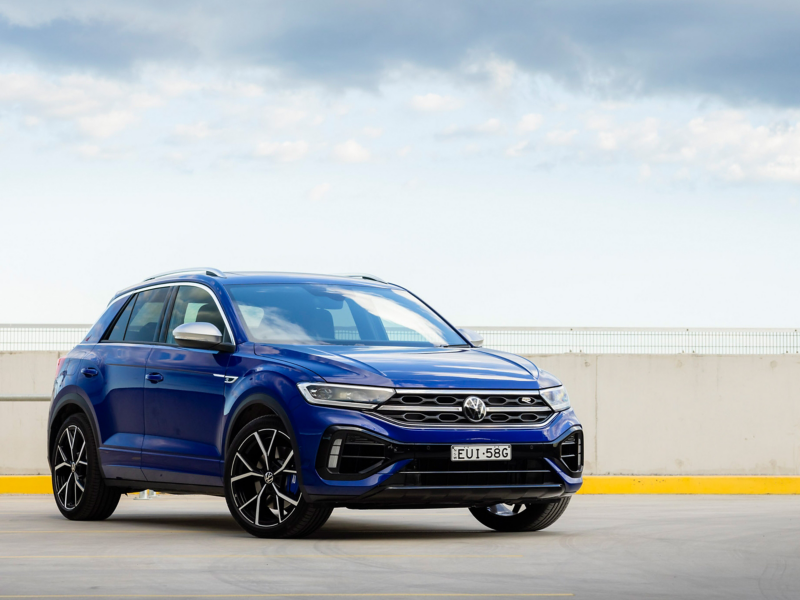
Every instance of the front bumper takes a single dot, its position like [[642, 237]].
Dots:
[[393, 466]]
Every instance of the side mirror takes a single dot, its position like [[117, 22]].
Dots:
[[473, 337], [205, 336]]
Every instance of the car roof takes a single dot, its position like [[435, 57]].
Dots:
[[226, 278]]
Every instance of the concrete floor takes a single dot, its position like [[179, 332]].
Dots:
[[603, 547]]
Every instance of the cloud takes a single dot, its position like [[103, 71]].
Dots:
[[195, 131], [530, 122], [351, 152], [97, 107], [373, 132], [434, 103], [516, 149], [560, 138], [734, 50], [404, 151], [105, 125], [283, 151], [490, 127], [281, 117], [319, 192], [723, 144]]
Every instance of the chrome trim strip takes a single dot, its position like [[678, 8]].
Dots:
[[413, 408], [447, 391], [518, 409], [191, 284], [477, 426], [458, 409]]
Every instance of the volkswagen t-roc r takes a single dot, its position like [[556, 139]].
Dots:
[[293, 394]]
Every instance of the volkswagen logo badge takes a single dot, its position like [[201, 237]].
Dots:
[[474, 409], [269, 477]]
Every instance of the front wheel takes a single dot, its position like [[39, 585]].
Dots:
[[262, 487], [520, 517]]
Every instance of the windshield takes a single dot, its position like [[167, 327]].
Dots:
[[338, 314]]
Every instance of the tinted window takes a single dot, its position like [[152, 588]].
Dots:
[[194, 305], [338, 314], [145, 315], [118, 332]]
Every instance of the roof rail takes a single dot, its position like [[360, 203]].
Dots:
[[204, 270], [363, 276]]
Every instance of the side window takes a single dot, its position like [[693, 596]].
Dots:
[[194, 305], [118, 332], [145, 315]]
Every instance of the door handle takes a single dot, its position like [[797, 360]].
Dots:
[[154, 377], [90, 371]]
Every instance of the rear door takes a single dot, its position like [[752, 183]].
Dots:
[[112, 375], [184, 398]]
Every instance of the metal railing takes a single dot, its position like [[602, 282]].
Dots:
[[518, 340], [631, 340], [28, 337]]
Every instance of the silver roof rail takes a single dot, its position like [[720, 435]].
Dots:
[[204, 270], [363, 276]]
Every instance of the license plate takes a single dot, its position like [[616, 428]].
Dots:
[[480, 452]]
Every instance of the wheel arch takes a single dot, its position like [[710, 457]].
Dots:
[[68, 405], [256, 405]]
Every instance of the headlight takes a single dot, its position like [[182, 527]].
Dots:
[[344, 396], [556, 397]]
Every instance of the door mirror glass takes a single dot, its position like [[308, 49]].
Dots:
[[198, 335], [473, 337]]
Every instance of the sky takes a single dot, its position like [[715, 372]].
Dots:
[[519, 163]]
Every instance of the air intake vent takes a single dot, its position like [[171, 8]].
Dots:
[[351, 453], [572, 452]]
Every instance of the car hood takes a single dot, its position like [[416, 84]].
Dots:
[[455, 368]]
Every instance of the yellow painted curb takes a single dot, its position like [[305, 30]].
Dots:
[[720, 484], [26, 484], [611, 484]]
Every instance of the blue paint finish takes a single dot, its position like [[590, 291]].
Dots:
[[117, 397], [176, 427], [183, 413]]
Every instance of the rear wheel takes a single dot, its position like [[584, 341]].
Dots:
[[520, 517], [78, 486], [262, 486]]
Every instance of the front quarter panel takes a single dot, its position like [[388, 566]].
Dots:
[[266, 381]]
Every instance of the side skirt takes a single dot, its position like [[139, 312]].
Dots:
[[128, 485]]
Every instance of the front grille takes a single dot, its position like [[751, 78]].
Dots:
[[441, 408]]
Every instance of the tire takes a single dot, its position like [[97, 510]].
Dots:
[[520, 517], [262, 487], [76, 464]]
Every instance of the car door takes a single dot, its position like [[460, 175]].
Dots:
[[112, 376], [184, 397]]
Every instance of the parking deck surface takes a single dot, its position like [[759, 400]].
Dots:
[[604, 547]]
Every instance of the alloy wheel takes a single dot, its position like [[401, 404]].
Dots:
[[263, 479], [70, 472]]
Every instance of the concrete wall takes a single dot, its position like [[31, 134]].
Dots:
[[643, 414], [23, 423], [685, 414]]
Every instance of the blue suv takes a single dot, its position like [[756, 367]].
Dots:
[[292, 394]]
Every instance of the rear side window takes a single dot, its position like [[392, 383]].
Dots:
[[118, 332], [145, 315], [195, 305]]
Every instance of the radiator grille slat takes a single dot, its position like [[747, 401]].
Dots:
[[512, 408]]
